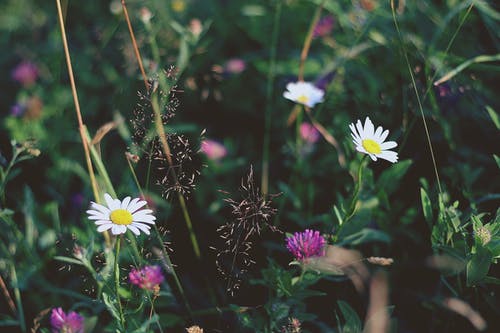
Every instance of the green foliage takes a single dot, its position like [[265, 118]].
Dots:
[[435, 216]]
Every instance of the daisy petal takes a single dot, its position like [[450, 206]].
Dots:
[[104, 227], [134, 229], [132, 208], [388, 145], [383, 136], [118, 229], [144, 228], [369, 128], [125, 202], [101, 222], [100, 208], [390, 156]]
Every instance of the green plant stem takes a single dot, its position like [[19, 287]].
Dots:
[[165, 254], [429, 142], [117, 282], [269, 99], [17, 296], [357, 188]]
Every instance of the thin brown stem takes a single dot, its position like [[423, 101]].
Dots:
[[81, 127], [134, 43], [7, 296], [307, 42]]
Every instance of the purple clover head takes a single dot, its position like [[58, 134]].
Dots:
[[306, 244], [323, 27], [148, 277], [25, 73], [66, 323]]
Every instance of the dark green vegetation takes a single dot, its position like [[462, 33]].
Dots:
[[443, 237]]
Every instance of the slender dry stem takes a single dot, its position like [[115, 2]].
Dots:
[[81, 127], [134, 43]]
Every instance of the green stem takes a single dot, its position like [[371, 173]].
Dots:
[[357, 188], [163, 249], [117, 282], [269, 95], [17, 295]]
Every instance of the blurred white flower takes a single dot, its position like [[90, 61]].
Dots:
[[304, 93]]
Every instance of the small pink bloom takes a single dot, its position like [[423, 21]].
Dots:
[[196, 27], [148, 277], [235, 66], [25, 73], [66, 323], [213, 149], [323, 27], [306, 244], [309, 133]]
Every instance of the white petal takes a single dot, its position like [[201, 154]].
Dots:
[[100, 222], [97, 217], [143, 227], [388, 145], [133, 229], [378, 131], [390, 156], [369, 128], [100, 208], [145, 218], [289, 96], [125, 202], [133, 207], [361, 149], [104, 227], [113, 204], [372, 156], [118, 229], [361, 131], [383, 136]]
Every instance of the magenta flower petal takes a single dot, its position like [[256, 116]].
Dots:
[[306, 244], [147, 277]]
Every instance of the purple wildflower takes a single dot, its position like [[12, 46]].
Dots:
[[213, 149], [306, 244], [309, 133], [17, 110], [25, 73], [235, 66], [148, 277], [66, 323], [323, 27]]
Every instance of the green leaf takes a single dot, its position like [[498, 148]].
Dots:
[[465, 64], [497, 159], [338, 215], [389, 179], [110, 305], [364, 236], [426, 206], [352, 320], [478, 266], [494, 116]]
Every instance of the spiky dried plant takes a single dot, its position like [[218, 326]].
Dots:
[[178, 177], [251, 214]]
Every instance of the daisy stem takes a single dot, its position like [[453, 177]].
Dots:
[[357, 188], [269, 94], [117, 281]]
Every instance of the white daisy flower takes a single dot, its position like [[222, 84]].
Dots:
[[304, 93], [121, 215], [371, 141]]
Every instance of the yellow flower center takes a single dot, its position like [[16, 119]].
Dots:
[[121, 216], [178, 5], [371, 146], [303, 99]]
